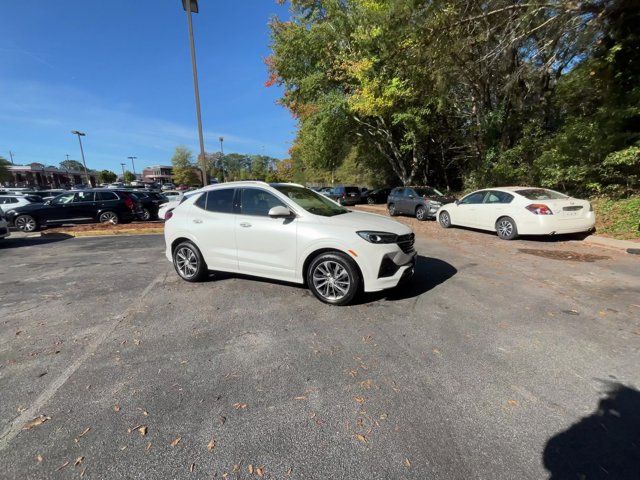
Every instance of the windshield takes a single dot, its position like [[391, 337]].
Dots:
[[428, 192], [541, 194], [311, 201]]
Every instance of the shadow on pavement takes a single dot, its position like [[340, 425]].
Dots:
[[9, 242], [429, 273], [604, 445], [559, 238]]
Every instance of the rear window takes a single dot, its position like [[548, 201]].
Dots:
[[106, 196], [220, 200], [540, 194]]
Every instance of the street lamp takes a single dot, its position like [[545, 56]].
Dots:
[[123, 165], [189, 7], [133, 165], [84, 163], [221, 159]]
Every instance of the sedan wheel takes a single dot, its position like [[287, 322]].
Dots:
[[26, 223], [506, 228], [421, 213], [333, 278], [189, 263], [108, 217], [445, 220]]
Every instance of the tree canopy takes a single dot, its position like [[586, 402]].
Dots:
[[73, 165], [465, 93], [107, 176], [184, 172]]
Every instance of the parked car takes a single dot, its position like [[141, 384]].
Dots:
[[9, 202], [288, 232], [150, 202], [4, 226], [168, 207], [102, 205], [421, 202], [172, 194], [168, 186], [379, 195], [513, 211], [345, 195]]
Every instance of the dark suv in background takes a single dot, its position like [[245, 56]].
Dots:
[[104, 206], [345, 195], [150, 202], [421, 202]]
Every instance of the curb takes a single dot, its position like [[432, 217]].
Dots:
[[106, 233], [620, 245]]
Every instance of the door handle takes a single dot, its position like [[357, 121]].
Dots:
[[245, 224], [197, 220]]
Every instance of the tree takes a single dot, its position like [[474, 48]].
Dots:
[[107, 176], [184, 172], [129, 176], [4, 171], [72, 165]]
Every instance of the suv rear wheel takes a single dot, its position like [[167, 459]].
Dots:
[[109, 217], [333, 278]]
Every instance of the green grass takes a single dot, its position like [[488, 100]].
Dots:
[[618, 218]]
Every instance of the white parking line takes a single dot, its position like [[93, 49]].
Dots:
[[34, 410]]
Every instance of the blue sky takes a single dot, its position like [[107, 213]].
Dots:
[[120, 71]]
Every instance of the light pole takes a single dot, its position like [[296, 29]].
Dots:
[[84, 163], [221, 159], [189, 7], [133, 165], [11, 156], [123, 165]]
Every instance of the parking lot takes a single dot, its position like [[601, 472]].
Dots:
[[492, 363]]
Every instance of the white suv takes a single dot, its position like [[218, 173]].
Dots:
[[288, 232]]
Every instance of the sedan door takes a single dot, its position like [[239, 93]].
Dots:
[[465, 213], [266, 246], [494, 206]]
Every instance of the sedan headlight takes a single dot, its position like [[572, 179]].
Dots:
[[378, 237]]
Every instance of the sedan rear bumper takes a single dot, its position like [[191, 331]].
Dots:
[[556, 225]]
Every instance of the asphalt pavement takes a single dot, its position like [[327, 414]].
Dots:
[[501, 360]]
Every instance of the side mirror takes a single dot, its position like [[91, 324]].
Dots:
[[279, 212], [457, 202]]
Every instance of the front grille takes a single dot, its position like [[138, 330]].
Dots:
[[405, 242], [572, 209]]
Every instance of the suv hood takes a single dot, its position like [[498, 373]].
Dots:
[[368, 221], [32, 207]]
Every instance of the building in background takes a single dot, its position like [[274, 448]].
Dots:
[[158, 174], [37, 175]]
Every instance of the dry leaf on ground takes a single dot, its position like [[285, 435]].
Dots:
[[361, 438], [142, 430], [211, 445], [175, 441], [39, 420], [78, 461], [359, 399], [239, 406]]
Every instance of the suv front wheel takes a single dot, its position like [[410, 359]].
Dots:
[[189, 263], [333, 278]]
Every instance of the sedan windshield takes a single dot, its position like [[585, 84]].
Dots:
[[311, 201], [540, 194]]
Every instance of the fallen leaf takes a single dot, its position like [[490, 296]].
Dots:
[[289, 472], [407, 462], [143, 430], [148, 447], [39, 420], [513, 403], [211, 445], [136, 341], [250, 468], [300, 398], [175, 441], [131, 429], [40, 458], [145, 413], [260, 471], [191, 467], [436, 351], [238, 406], [78, 461], [359, 399], [116, 408], [82, 472], [361, 438], [62, 466]]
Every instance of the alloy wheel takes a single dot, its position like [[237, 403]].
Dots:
[[146, 214], [109, 217], [331, 280], [186, 262], [505, 228], [420, 213], [445, 221], [25, 224]]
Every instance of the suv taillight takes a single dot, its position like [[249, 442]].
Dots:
[[539, 209], [168, 215], [128, 202]]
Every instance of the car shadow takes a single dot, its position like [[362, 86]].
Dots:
[[603, 445], [429, 273], [10, 242], [560, 237]]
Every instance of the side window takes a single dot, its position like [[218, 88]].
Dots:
[[201, 201], [106, 196], [410, 192], [498, 197], [84, 197], [4, 201], [220, 200], [473, 198], [63, 199], [13, 200], [258, 202]]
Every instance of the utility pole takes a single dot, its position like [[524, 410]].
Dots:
[[123, 165], [84, 163], [189, 7], [133, 165], [221, 159], [11, 156]]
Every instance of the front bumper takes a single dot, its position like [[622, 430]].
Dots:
[[392, 268]]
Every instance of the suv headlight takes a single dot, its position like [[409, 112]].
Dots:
[[378, 237]]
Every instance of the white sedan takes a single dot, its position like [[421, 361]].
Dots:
[[291, 233], [513, 211]]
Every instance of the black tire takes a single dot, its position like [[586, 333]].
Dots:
[[392, 210], [186, 253], [421, 213], [109, 217], [26, 223], [343, 278], [506, 228], [146, 215], [445, 219], [371, 201]]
